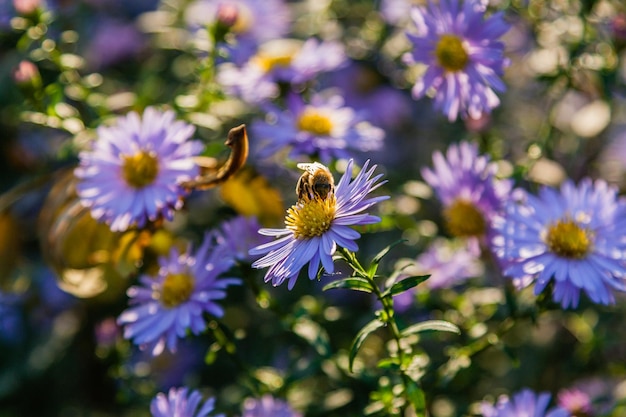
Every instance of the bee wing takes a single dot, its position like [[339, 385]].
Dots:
[[311, 166]]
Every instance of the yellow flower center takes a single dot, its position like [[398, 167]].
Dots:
[[567, 239], [268, 62], [463, 219], [311, 217], [140, 169], [315, 122], [177, 289], [450, 53]]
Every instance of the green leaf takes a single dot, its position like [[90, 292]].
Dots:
[[360, 338], [431, 325], [352, 283], [405, 284], [389, 363], [380, 255], [416, 396]]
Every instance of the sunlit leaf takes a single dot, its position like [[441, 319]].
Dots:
[[352, 283], [360, 338], [405, 284], [380, 255], [431, 325]]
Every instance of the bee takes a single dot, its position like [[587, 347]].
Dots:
[[315, 181]]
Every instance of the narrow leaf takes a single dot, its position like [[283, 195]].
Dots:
[[416, 396], [360, 338], [405, 284], [352, 283], [380, 255], [431, 325]]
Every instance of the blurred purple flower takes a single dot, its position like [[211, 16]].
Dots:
[[239, 235], [283, 60], [525, 403], [165, 307], [11, 318], [132, 173], [7, 12], [267, 406], [315, 226], [448, 263], [466, 185], [572, 238], [256, 22], [465, 60], [178, 403], [364, 90], [113, 42], [323, 129]]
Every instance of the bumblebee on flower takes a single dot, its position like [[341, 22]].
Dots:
[[318, 222]]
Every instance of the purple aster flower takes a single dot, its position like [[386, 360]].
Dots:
[[164, 307], [267, 406], [447, 262], [113, 42], [467, 186], [132, 173], [325, 128], [179, 403], [253, 22], [463, 56], [572, 238], [282, 60], [525, 403], [364, 90], [315, 225], [239, 235]]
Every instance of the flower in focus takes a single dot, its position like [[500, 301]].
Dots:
[[239, 235], [572, 238], [314, 226], [525, 403], [178, 403], [575, 401], [132, 173], [463, 56], [467, 186], [164, 307], [281, 60], [267, 406], [325, 128]]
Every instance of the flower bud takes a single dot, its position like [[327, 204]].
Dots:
[[26, 76], [26, 7]]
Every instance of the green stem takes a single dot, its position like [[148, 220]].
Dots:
[[388, 315]]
